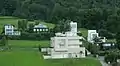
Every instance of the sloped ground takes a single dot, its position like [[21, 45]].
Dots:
[[23, 54]]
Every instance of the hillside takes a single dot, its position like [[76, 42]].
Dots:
[[14, 21]]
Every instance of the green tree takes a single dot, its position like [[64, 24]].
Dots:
[[22, 24], [93, 48], [118, 39], [4, 41], [31, 27], [62, 26], [37, 22]]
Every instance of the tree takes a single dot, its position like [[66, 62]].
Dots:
[[113, 23], [112, 56], [93, 48], [9, 7], [118, 39], [37, 22], [31, 27], [62, 26], [22, 24], [4, 41]]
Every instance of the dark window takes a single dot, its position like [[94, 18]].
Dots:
[[76, 56], [8, 29], [80, 45]]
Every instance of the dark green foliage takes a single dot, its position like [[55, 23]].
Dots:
[[90, 14], [112, 56], [37, 22], [93, 48], [22, 25], [118, 39], [31, 27], [62, 26], [106, 33], [33, 36], [3, 41]]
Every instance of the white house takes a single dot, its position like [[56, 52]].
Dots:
[[68, 45], [92, 34], [11, 30], [40, 28]]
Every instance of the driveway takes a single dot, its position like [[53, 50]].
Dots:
[[101, 58]]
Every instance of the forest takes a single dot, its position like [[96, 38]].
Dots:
[[102, 15]]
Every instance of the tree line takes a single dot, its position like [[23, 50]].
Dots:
[[102, 15]]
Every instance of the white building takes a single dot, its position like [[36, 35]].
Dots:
[[67, 45], [92, 34], [11, 30], [40, 28], [73, 26]]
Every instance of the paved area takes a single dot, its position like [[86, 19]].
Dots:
[[101, 58]]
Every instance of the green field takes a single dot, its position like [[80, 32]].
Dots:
[[84, 32], [34, 58], [27, 43], [7, 20], [22, 57]]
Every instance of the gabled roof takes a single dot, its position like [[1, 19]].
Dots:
[[8, 25], [40, 26]]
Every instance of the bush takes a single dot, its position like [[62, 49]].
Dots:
[[14, 37], [36, 36], [112, 56], [105, 33]]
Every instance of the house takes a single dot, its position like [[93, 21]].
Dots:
[[11, 30], [92, 34], [40, 28], [68, 45]]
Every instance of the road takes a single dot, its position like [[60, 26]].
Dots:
[[101, 58]]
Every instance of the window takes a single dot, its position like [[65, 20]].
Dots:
[[80, 45], [62, 43], [81, 52], [37, 29], [8, 29], [9, 33], [76, 56], [34, 29], [40, 29], [46, 29], [43, 29]]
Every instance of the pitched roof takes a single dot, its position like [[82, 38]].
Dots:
[[40, 26]]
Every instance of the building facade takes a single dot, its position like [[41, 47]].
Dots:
[[11, 30], [92, 34], [68, 45], [40, 28]]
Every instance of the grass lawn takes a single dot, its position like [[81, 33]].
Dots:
[[6, 20], [19, 57], [34, 58], [84, 32], [27, 43], [111, 40]]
